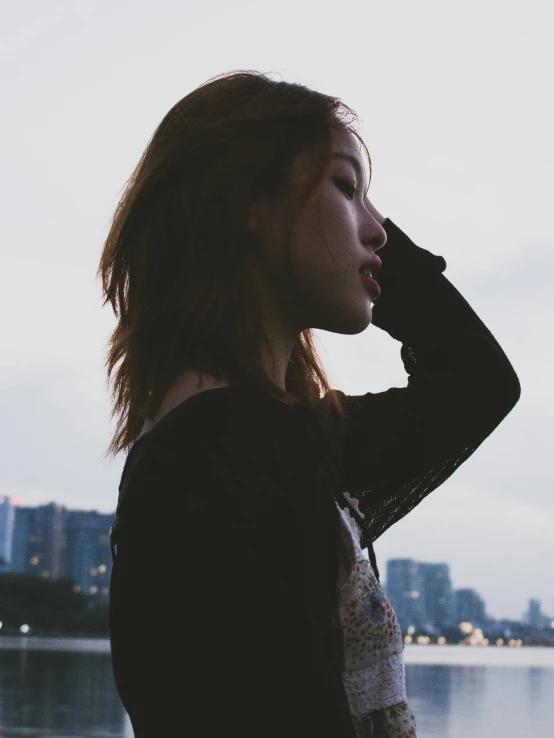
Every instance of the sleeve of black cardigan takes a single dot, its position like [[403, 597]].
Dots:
[[403, 443], [222, 617]]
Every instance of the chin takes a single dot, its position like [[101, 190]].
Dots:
[[350, 325]]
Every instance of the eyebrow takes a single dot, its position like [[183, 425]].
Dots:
[[352, 159]]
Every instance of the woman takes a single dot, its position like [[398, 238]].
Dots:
[[241, 600]]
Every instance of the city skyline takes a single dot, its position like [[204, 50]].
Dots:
[[52, 542], [429, 584]]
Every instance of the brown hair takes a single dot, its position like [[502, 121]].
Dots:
[[175, 264]]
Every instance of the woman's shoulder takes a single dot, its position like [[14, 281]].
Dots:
[[220, 411], [224, 428], [227, 456]]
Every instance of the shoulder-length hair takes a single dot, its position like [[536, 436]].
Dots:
[[175, 264]]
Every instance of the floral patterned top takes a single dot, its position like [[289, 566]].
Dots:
[[374, 677]]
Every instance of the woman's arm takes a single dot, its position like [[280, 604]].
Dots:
[[403, 443]]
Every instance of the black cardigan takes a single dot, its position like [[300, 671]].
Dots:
[[223, 601]]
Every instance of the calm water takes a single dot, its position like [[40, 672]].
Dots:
[[71, 694]]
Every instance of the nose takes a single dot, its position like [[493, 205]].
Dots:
[[376, 236]]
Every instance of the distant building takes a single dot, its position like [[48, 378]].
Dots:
[[39, 540], [420, 593], [53, 542], [438, 595], [470, 607], [404, 588], [20, 546], [7, 520], [534, 615], [88, 560]]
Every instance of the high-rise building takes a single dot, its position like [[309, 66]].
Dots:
[[88, 560], [53, 542], [22, 518], [420, 593], [7, 520], [39, 540], [438, 595], [470, 607], [404, 588], [534, 615]]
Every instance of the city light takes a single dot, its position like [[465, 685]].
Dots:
[[55, 543], [474, 636], [65, 543], [25, 628]]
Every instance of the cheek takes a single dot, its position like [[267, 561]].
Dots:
[[323, 239], [333, 200], [336, 214]]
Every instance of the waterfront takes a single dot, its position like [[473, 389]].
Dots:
[[63, 688]]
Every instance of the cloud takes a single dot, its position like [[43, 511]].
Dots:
[[53, 436]]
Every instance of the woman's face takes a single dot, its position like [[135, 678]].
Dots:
[[327, 291]]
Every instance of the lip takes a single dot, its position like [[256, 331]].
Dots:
[[374, 265], [371, 285]]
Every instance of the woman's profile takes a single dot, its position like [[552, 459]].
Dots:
[[242, 601]]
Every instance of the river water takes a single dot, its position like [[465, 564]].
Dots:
[[64, 688]]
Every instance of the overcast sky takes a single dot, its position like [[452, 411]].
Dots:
[[456, 110]]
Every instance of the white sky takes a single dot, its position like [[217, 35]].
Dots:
[[456, 113]]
